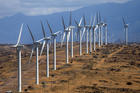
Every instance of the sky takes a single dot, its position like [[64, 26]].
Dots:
[[44, 7]]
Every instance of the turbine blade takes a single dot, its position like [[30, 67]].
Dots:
[[63, 23], [105, 20], [70, 19], [43, 30], [99, 17], [57, 32], [40, 40], [80, 21], [123, 20], [94, 20], [19, 37], [49, 27], [42, 48], [90, 21], [84, 20], [96, 28], [31, 54], [75, 34], [31, 33], [76, 22], [83, 33], [50, 43], [63, 38], [68, 36]]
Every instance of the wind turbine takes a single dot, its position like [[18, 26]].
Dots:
[[94, 28], [101, 31], [53, 35], [126, 31], [67, 34], [79, 27], [35, 46], [85, 30], [71, 30], [18, 47], [46, 42]]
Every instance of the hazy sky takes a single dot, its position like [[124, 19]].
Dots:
[[43, 7]]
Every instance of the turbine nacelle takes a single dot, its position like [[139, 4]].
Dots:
[[87, 26], [36, 43], [71, 27], [67, 29], [55, 34], [104, 24], [96, 26], [101, 24], [126, 25], [47, 38], [79, 27]]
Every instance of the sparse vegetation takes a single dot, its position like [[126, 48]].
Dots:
[[112, 69]]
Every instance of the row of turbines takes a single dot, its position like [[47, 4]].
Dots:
[[95, 31]]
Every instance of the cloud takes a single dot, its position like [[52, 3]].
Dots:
[[8, 7], [44, 7], [44, 11]]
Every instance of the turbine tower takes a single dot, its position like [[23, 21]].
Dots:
[[99, 31], [35, 46], [53, 35], [18, 47], [79, 27], [126, 31], [90, 36], [46, 42]]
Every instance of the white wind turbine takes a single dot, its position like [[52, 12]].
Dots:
[[35, 46], [79, 27], [53, 35], [101, 31], [70, 28], [18, 47], [94, 28], [67, 34], [46, 42], [126, 31], [85, 30]]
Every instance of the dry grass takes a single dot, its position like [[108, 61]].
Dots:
[[111, 69]]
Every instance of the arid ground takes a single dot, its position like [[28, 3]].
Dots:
[[110, 69]]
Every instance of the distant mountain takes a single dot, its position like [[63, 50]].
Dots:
[[112, 12]]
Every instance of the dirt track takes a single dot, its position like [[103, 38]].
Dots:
[[108, 56]]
